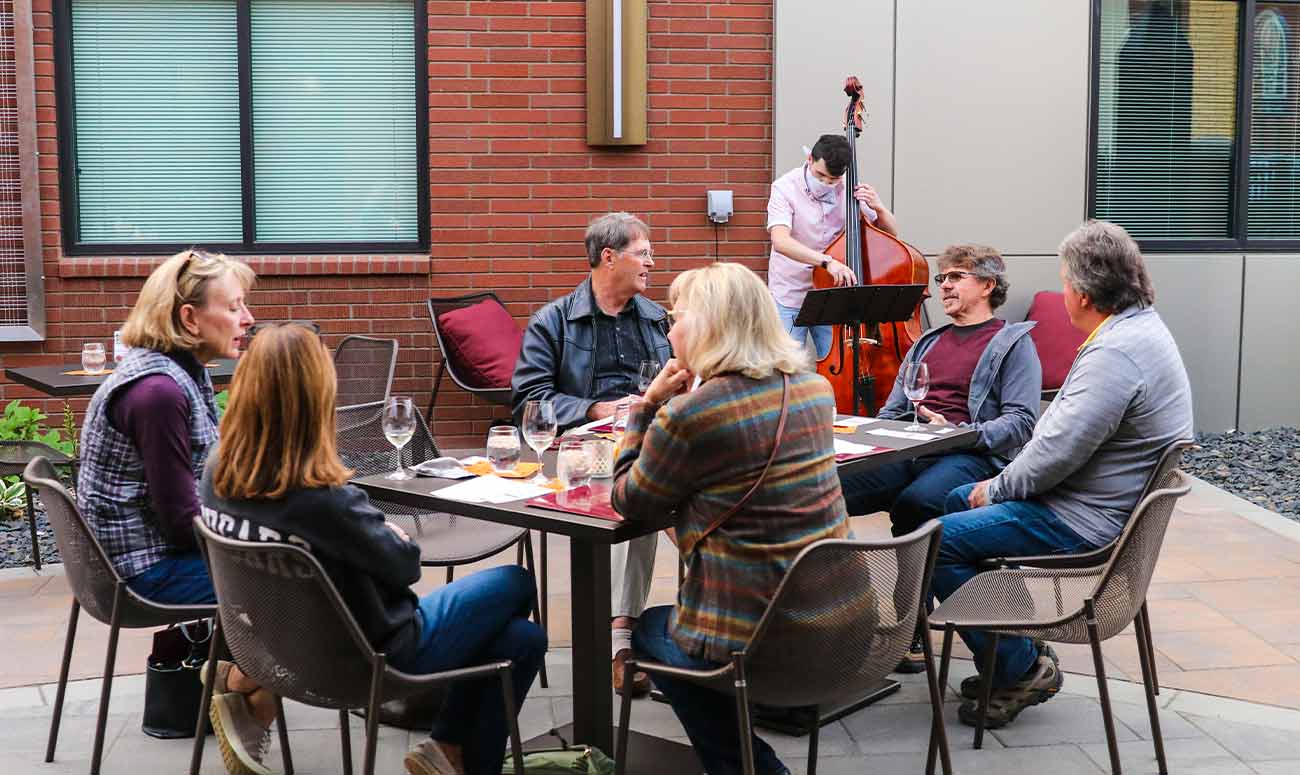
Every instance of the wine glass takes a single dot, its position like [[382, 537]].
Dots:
[[399, 427], [916, 383], [92, 357], [539, 430], [649, 370]]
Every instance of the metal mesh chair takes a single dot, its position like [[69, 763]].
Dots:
[[1070, 605], [446, 540], [832, 631], [14, 457], [365, 367], [497, 394], [98, 588], [1160, 478], [288, 629]]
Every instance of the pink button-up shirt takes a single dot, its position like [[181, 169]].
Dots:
[[811, 221]]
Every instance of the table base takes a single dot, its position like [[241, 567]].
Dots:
[[647, 754]]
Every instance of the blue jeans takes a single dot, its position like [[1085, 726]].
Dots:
[[821, 335], [913, 491], [709, 717], [177, 579], [479, 618], [997, 530]]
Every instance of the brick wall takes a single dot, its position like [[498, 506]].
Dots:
[[512, 184]]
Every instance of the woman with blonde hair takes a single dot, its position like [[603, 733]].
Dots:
[[746, 461], [276, 476]]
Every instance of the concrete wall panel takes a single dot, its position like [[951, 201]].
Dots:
[[1270, 363]]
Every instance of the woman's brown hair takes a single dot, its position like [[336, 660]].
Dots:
[[278, 431]]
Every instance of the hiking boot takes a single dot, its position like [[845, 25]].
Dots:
[[1038, 685], [242, 738], [426, 758], [640, 681], [914, 660], [970, 686]]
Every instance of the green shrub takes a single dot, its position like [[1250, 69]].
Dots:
[[27, 423]]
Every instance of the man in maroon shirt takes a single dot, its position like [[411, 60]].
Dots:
[[984, 374]]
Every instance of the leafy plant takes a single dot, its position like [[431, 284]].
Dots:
[[70, 429], [27, 423], [12, 498], [221, 399]]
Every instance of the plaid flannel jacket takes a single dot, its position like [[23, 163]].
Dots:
[[697, 455], [112, 494]]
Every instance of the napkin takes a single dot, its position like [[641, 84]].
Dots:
[[490, 489], [483, 468]]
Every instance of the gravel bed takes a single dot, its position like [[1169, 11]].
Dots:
[[1261, 466]]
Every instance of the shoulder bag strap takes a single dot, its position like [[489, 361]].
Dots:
[[776, 443]]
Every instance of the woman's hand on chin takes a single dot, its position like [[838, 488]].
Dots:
[[672, 379]]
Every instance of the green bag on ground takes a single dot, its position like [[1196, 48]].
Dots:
[[577, 760]]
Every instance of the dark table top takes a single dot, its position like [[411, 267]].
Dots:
[[52, 381], [420, 492]]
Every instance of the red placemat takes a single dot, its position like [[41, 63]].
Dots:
[[843, 456], [582, 500]]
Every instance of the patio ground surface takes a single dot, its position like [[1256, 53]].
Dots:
[[1225, 608]]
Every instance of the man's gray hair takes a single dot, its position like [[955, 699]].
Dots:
[[614, 231], [982, 261], [1103, 263]]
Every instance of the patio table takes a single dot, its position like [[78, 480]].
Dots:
[[53, 381], [589, 568]]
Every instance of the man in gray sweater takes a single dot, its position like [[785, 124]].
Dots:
[[1077, 481]]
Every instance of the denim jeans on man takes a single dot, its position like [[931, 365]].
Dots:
[[479, 618], [997, 530], [177, 579], [821, 335], [913, 491], [709, 717]]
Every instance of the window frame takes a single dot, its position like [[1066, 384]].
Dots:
[[69, 197], [1238, 205], [29, 179]]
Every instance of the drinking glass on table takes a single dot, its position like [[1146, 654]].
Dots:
[[621, 412], [399, 427], [92, 358], [503, 448], [649, 370], [539, 429], [916, 384], [574, 463]]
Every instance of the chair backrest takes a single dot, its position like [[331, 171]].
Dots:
[[1055, 338], [841, 619], [1122, 588], [90, 574], [286, 624], [479, 354], [1163, 474], [363, 447], [365, 367], [15, 454]]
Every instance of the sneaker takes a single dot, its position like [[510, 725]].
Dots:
[[242, 738], [426, 758], [970, 686], [914, 660], [1041, 683], [220, 680]]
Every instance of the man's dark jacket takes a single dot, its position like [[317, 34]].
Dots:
[[557, 360]]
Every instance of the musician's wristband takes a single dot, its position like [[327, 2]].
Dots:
[[825, 263]]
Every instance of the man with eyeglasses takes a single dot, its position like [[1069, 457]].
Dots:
[[584, 353], [805, 212], [984, 374]]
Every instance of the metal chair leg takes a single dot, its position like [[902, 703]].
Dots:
[[742, 716], [205, 698], [1103, 691], [526, 559], [546, 616], [945, 657], [624, 720], [31, 522], [1148, 679], [512, 717], [345, 740], [105, 693], [938, 733], [812, 740], [451, 574], [63, 680], [284, 736], [986, 690], [372, 716], [1145, 621]]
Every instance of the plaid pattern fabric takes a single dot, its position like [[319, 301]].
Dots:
[[698, 455], [112, 494]]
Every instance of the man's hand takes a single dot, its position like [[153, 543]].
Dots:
[[841, 273], [672, 379], [935, 418], [603, 409], [979, 497], [400, 532]]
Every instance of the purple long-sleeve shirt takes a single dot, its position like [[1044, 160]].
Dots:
[[154, 412]]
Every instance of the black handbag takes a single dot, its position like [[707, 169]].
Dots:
[[172, 689]]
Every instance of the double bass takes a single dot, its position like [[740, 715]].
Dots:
[[876, 258]]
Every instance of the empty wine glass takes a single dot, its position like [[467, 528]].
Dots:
[[92, 357], [916, 383], [539, 430], [649, 370], [399, 427]]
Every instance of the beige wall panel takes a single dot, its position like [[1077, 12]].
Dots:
[[991, 130], [1270, 363], [817, 44]]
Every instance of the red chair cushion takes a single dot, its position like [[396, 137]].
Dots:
[[1055, 338], [482, 342]]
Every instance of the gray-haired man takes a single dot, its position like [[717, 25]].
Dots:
[[584, 353], [1075, 484]]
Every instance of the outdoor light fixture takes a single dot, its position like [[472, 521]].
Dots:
[[616, 72]]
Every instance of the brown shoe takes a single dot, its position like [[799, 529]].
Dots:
[[640, 681]]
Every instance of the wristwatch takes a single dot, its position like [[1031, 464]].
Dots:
[[825, 263]]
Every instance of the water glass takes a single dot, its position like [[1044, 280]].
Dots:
[[621, 413], [503, 448], [602, 458], [574, 463], [916, 384], [399, 426], [649, 370], [92, 357]]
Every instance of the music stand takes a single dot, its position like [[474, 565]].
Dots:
[[856, 305]]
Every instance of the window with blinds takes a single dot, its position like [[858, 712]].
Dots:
[[1177, 162], [160, 118]]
